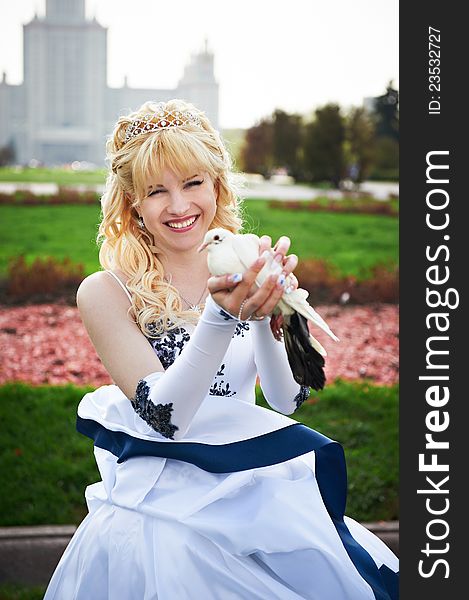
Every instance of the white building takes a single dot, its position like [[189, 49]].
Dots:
[[64, 109]]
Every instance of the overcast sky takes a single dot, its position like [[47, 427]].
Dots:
[[295, 55]]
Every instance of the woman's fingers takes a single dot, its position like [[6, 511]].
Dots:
[[230, 290], [292, 283], [271, 299], [282, 246], [290, 264], [264, 300], [280, 251], [248, 278], [232, 280], [265, 243], [218, 283]]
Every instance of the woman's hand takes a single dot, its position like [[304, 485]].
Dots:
[[258, 302], [289, 263]]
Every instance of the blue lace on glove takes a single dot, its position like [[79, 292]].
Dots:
[[158, 416]]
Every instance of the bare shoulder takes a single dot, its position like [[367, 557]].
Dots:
[[100, 297], [116, 337], [98, 286]]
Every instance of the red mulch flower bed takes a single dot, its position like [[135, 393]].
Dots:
[[47, 343]]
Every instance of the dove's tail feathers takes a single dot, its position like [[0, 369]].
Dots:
[[313, 316], [317, 346], [307, 364], [297, 301]]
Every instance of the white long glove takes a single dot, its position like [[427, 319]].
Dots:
[[279, 387], [168, 400]]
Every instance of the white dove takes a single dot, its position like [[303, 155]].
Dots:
[[234, 253]]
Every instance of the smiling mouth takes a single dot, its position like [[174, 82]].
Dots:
[[180, 225]]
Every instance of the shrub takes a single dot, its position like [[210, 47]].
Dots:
[[352, 203], [64, 195], [42, 278], [322, 281]]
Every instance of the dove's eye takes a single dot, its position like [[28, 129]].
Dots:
[[216, 237]]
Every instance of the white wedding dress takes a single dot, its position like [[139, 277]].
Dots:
[[249, 505]]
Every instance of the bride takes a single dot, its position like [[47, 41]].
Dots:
[[203, 493]]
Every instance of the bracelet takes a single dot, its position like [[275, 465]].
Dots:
[[252, 317], [241, 310], [227, 316]]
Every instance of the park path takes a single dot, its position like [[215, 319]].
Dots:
[[48, 343], [380, 190]]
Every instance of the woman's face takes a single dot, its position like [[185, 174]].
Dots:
[[178, 210]]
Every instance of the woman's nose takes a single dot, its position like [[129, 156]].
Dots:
[[178, 204]]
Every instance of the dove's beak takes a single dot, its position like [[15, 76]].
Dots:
[[202, 247]]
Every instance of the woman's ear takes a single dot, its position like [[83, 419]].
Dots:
[[130, 199]]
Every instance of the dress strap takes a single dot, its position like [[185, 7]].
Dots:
[[121, 284]]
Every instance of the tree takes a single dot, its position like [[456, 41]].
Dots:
[[286, 141], [386, 159], [386, 116], [323, 146], [387, 113], [7, 154], [360, 136], [256, 154]]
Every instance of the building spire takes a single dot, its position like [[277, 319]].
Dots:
[[65, 10]]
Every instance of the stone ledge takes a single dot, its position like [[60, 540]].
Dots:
[[388, 531], [29, 555], [37, 531]]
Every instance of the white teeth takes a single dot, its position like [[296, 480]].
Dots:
[[183, 224]]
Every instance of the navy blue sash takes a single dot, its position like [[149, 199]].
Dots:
[[261, 451]]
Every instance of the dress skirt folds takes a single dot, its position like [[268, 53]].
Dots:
[[249, 505]]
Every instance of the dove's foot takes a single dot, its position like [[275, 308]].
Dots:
[[276, 322]]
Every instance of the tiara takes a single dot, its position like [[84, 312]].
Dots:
[[161, 119]]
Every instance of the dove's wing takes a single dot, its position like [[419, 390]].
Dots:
[[223, 259], [246, 247]]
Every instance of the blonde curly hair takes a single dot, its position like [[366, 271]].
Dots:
[[124, 245]]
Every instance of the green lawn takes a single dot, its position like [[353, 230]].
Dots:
[[58, 231], [45, 464], [59, 176], [10, 591], [352, 242]]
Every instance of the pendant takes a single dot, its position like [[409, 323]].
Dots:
[[195, 308]]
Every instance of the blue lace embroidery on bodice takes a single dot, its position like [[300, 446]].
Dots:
[[169, 345]]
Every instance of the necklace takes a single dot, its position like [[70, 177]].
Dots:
[[193, 307]]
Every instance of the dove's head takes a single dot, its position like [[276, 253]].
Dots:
[[213, 237]]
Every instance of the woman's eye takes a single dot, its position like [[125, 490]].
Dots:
[[194, 183], [190, 184]]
